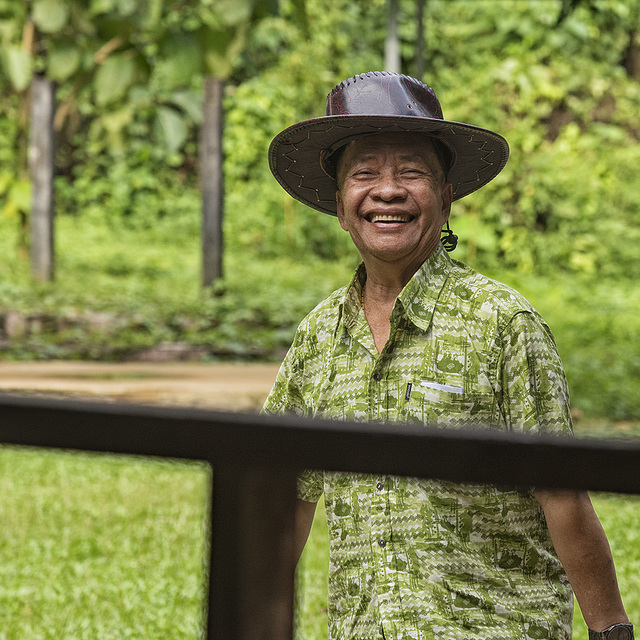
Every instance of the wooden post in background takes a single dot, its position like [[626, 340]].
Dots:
[[419, 57], [212, 180], [392, 57], [41, 167]]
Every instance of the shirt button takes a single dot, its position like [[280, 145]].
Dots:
[[382, 543], [380, 486], [377, 377]]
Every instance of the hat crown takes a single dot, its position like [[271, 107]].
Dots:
[[382, 93]]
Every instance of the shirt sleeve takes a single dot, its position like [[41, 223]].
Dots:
[[286, 397], [535, 395]]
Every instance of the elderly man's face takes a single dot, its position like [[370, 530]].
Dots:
[[392, 197]]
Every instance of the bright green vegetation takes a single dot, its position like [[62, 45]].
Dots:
[[96, 547], [311, 585], [101, 547], [145, 279]]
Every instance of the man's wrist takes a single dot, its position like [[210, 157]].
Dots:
[[619, 631]]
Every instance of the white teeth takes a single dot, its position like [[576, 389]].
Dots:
[[389, 218]]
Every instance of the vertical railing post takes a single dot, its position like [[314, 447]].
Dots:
[[252, 563]]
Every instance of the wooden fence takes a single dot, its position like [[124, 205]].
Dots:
[[256, 459]]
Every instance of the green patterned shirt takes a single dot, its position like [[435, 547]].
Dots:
[[421, 559]]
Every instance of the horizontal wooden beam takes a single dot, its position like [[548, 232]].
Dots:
[[293, 443]]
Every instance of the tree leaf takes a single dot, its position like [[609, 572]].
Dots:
[[115, 121], [180, 58], [190, 102], [63, 62], [127, 7], [170, 128], [265, 8], [153, 14], [114, 124], [19, 66], [113, 78], [20, 195], [233, 12], [300, 14], [50, 15], [221, 48], [6, 180]]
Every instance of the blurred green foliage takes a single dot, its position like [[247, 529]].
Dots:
[[560, 222], [560, 94]]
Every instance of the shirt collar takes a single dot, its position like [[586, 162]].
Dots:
[[420, 295], [351, 303], [417, 300]]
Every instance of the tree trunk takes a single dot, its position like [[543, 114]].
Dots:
[[392, 58], [631, 60], [212, 180], [419, 59], [41, 166]]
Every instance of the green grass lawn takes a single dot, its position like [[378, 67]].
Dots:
[[100, 547], [114, 547]]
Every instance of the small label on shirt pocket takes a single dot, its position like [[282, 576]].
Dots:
[[440, 387], [431, 402]]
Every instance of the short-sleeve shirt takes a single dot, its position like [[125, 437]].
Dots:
[[423, 559]]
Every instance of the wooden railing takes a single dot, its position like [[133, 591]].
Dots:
[[256, 459]]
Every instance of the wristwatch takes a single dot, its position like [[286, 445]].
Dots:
[[619, 631]]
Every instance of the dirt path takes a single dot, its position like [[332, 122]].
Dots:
[[227, 387]]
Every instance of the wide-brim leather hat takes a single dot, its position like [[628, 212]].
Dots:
[[303, 157]]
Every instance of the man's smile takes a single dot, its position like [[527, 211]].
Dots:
[[390, 218]]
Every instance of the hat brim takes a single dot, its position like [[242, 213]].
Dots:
[[295, 153]]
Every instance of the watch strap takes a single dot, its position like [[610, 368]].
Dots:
[[618, 631]]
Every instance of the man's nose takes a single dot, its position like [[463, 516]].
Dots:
[[388, 187]]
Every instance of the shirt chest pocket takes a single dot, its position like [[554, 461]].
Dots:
[[449, 388], [432, 403]]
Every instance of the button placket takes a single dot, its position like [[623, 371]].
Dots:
[[379, 521], [377, 391]]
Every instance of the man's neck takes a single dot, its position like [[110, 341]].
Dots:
[[381, 289], [385, 280]]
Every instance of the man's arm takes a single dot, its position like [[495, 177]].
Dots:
[[583, 550], [304, 519]]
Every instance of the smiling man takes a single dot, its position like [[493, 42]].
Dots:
[[418, 337]]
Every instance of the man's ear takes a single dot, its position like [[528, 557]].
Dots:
[[340, 209]]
